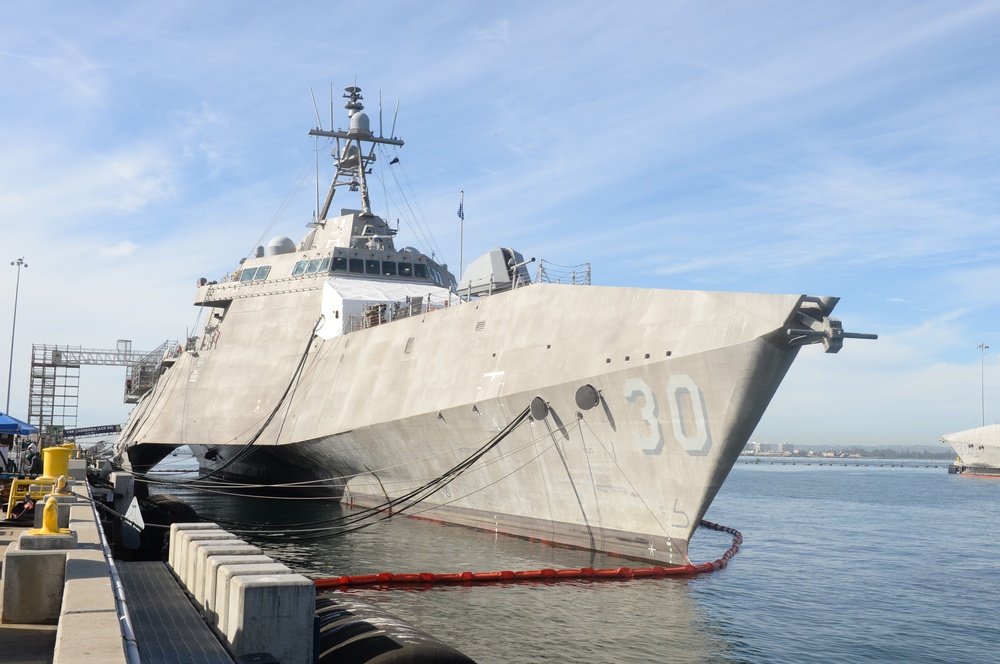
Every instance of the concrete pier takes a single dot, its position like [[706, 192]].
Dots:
[[63, 600], [30, 644], [219, 600], [58, 604]]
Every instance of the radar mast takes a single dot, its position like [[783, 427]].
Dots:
[[352, 157]]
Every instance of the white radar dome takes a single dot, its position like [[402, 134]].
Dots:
[[359, 125], [280, 245]]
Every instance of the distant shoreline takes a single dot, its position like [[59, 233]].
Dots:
[[855, 453]]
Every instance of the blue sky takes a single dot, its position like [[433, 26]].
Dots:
[[828, 148]]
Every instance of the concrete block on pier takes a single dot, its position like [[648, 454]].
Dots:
[[176, 529], [225, 575], [211, 575], [180, 547], [32, 585], [194, 546], [77, 469], [39, 542], [272, 614], [206, 551]]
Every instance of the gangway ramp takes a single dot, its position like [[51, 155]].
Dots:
[[55, 377]]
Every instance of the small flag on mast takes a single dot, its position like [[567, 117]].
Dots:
[[461, 206]]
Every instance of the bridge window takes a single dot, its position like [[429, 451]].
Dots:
[[247, 274], [262, 273], [313, 267], [372, 266], [405, 269], [357, 266], [389, 268], [420, 270], [339, 264], [325, 265], [300, 268]]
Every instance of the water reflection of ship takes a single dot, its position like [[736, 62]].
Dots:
[[597, 417]]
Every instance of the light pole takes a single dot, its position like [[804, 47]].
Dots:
[[982, 376], [10, 368], [461, 230]]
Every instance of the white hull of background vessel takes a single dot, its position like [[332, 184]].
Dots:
[[978, 449]]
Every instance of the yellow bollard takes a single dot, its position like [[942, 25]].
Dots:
[[59, 486], [55, 461], [50, 517]]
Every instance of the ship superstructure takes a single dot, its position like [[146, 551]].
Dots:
[[600, 417]]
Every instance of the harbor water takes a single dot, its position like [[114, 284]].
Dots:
[[843, 561]]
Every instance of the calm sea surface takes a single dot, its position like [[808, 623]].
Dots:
[[842, 562]]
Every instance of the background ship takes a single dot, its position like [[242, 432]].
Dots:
[[978, 450], [341, 365]]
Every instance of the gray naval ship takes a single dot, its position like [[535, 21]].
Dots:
[[341, 365]]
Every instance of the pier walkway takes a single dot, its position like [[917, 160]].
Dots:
[[86, 627], [167, 626]]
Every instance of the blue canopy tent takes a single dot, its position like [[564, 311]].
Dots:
[[10, 425]]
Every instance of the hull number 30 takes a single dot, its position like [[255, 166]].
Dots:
[[688, 415]]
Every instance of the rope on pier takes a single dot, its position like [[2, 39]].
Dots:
[[547, 575]]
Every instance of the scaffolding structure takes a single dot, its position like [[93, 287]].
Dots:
[[55, 379]]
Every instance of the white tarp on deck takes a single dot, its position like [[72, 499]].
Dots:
[[347, 302]]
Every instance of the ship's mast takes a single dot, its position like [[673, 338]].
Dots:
[[351, 160]]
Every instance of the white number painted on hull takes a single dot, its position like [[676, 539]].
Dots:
[[653, 442], [690, 425], [693, 436]]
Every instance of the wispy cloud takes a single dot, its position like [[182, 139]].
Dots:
[[847, 148], [55, 67], [123, 248], [497, 31]]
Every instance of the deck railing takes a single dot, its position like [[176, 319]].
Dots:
[[386, 312], [551, 273]]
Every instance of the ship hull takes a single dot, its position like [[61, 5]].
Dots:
[[644, 400], [978, 450]]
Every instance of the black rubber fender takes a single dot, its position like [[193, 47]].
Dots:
[[354, 632]]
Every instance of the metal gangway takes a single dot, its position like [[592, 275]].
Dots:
[[55, 377]]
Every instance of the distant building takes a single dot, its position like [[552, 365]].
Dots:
[[755, 448]]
